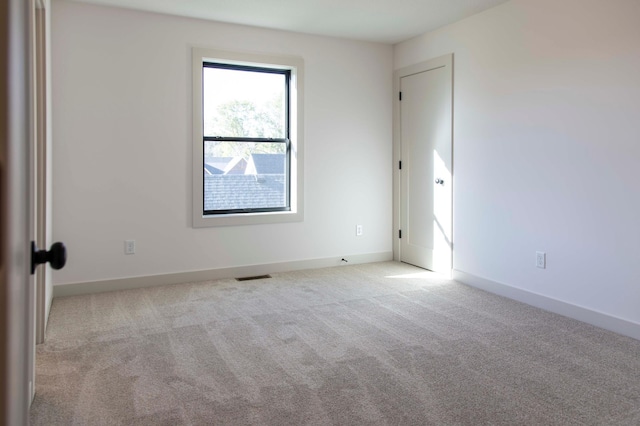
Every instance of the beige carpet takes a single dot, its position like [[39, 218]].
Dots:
[[383, 343]]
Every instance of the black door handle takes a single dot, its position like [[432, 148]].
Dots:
[[56, 256]]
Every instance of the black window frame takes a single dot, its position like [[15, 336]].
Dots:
[[286, 140]]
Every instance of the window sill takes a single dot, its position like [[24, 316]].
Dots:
[[200, 221]]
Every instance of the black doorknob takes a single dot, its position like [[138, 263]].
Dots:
[[56, 256]]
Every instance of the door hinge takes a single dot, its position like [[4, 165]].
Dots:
[[399, 233], [399, 96], [400, 165]]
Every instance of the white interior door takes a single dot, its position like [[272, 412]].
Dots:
[[16, 310], [425, 105]]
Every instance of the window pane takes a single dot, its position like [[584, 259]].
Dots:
[[245, 175], [238, 103]]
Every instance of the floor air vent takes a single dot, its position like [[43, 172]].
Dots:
[[257, 277]]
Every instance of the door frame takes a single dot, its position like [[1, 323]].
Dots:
[[41, 170], [438, 62]]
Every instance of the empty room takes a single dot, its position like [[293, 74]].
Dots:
[[276, 212]]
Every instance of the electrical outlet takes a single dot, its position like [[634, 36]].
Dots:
[[541, 259], [130, 247], [358, 230]]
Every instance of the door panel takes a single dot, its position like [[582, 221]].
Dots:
[[16, 311], [426, 174]]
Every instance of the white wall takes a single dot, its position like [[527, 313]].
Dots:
[[122, 155], [547, 147]]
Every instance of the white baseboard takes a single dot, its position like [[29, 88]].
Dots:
[[579, 313], [74, 289]]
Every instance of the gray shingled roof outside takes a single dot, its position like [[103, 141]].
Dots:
[[216, 165], [212, 169], [225, 165], [227, 192], [269, 163]]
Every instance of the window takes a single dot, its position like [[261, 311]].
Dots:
[[247, 163]]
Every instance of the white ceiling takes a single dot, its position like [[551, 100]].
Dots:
[[386, 21]]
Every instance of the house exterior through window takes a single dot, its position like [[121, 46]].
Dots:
[[247, 138]]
